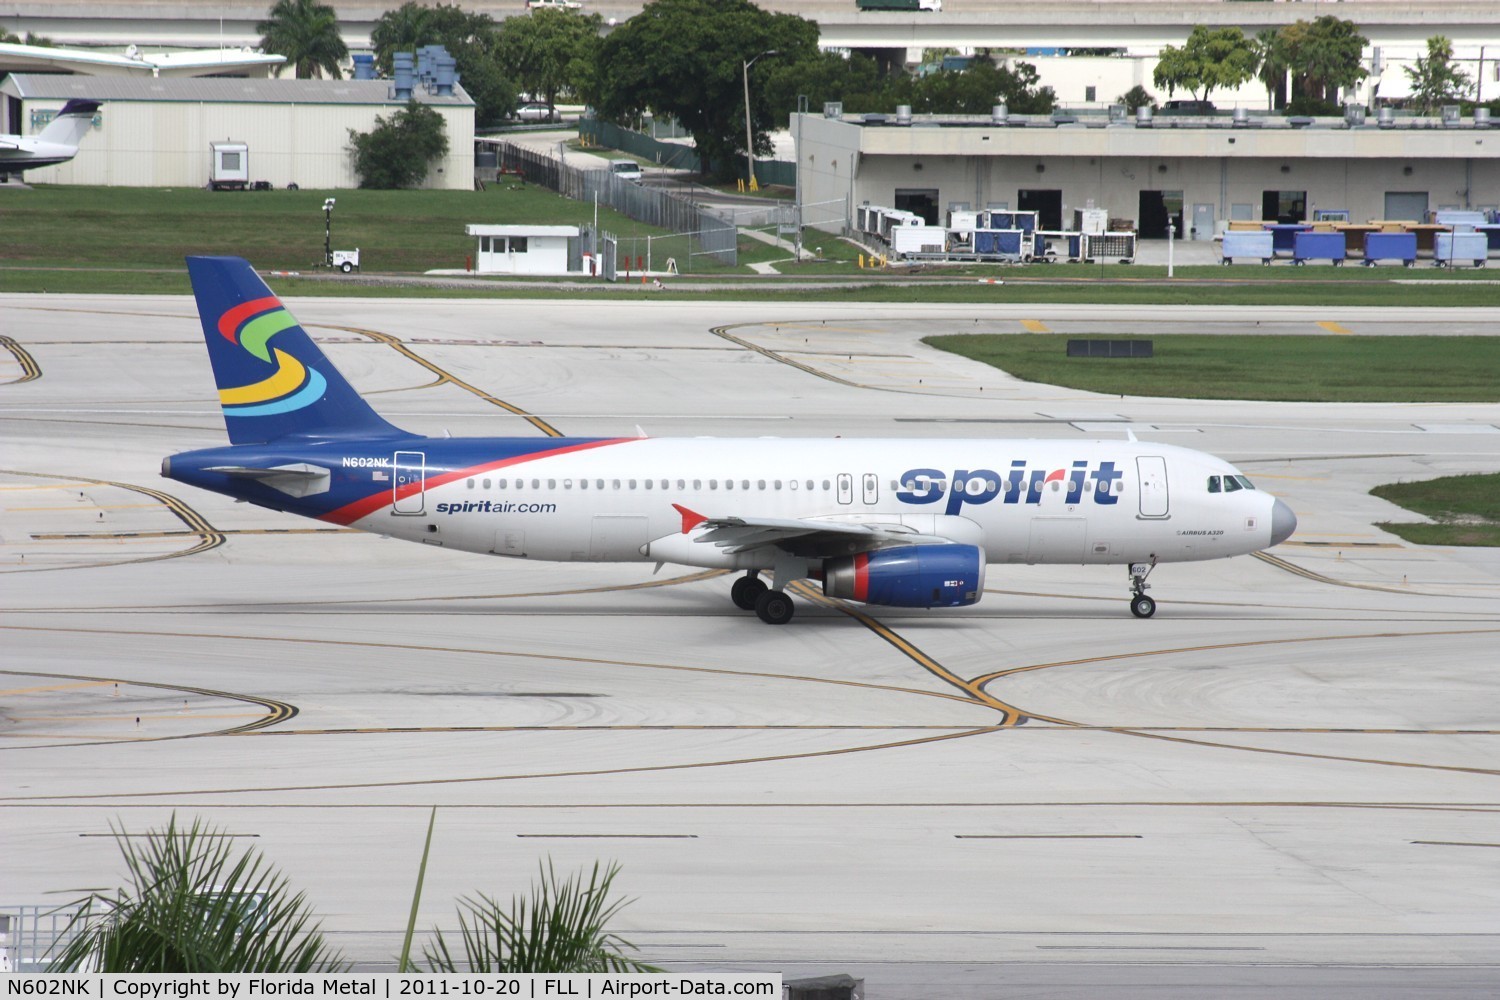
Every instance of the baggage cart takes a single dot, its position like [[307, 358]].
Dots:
[[1002, 244], [1390, 246], [1238, 243], [1452, 249], [995, 218], [1284, 233], [1059, 245], [1309, 245], [1492, 233], [1109, 246]]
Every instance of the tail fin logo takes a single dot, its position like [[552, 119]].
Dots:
[[293, 385]]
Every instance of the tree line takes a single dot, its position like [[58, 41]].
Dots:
[[694, 60]]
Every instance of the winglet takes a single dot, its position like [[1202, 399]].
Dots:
[[690, 518]]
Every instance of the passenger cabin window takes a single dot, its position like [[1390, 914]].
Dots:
[[471, 484]]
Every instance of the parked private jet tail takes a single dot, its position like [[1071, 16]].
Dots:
[[902, 522], [57, 143]]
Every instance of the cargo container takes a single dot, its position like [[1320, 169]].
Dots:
[[1239, 244], [1308, 246], [915, 241], [1390, 246], [1450, 249]]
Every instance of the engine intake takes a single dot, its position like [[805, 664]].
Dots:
[[910, 576]]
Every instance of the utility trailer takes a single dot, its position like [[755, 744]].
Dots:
[[228, 166]]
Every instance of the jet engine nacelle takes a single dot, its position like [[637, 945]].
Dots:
[[909, 576]]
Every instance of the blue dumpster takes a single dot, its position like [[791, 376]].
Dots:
[[1283, 233], [1449, 249], [1241, 243], [1390, 246], [1308, 246]]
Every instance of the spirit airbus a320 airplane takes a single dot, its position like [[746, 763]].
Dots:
[[902, 523]]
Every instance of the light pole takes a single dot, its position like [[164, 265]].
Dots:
[[749, 137], [328, 231]]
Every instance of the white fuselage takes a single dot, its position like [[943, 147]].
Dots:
[[1020, 501]]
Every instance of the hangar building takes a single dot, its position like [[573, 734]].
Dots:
[[1195, 171], [156, 132]]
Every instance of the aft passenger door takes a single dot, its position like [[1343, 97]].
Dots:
[[409, 482], [1152, 470]]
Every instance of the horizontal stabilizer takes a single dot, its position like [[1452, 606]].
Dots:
[[298, 480]]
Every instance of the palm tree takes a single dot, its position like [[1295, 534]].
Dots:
[[193, 908], [307, 33], [560, 928]]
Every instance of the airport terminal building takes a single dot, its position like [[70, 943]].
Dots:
[[1198, 172]]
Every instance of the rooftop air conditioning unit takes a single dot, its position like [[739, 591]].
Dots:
[[1386, 118], [1143, 116], [1241, 117], [1000, 114], [1450, 114], [1481, 117], [833, 109], [903, 114], [1354, 114]]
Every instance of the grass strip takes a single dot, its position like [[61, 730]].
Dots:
[[1343, 369], [1466, 509]]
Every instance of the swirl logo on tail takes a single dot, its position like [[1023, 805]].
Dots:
[[293, 385]]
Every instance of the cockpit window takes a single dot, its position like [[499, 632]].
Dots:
[[1213, 484], [1245, 482]]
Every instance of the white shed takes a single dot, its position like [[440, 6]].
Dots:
[[522, 249]]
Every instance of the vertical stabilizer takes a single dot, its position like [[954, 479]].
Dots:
[[273, 380], [68, 128]]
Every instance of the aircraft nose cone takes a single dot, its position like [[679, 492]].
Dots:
[[1283, 523]]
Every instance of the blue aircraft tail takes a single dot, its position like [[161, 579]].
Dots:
[[273, 380]]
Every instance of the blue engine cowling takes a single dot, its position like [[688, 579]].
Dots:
[[910, 576]]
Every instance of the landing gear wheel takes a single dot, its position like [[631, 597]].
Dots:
[[774, 607], [745, 592], [1140, 605]]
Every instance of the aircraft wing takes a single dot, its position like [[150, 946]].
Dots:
[[804, 537]]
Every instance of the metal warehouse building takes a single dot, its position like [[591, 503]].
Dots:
[[1198, 172], [156, 132]]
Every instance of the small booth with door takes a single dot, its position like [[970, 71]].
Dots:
[[522, 249]]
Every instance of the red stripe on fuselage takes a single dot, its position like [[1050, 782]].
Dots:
[[861, 577], [351, 512], [229, 323]]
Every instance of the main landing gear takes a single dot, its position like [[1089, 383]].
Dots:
[[1140, 605], [751, 593]]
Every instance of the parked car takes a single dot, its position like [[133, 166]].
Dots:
[[553, 4], [626, 170], [1181, 107], [535, 112]]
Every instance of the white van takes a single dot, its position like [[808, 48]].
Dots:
[[626, 170]]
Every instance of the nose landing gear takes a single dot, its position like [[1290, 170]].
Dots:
[[1140, 605]]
